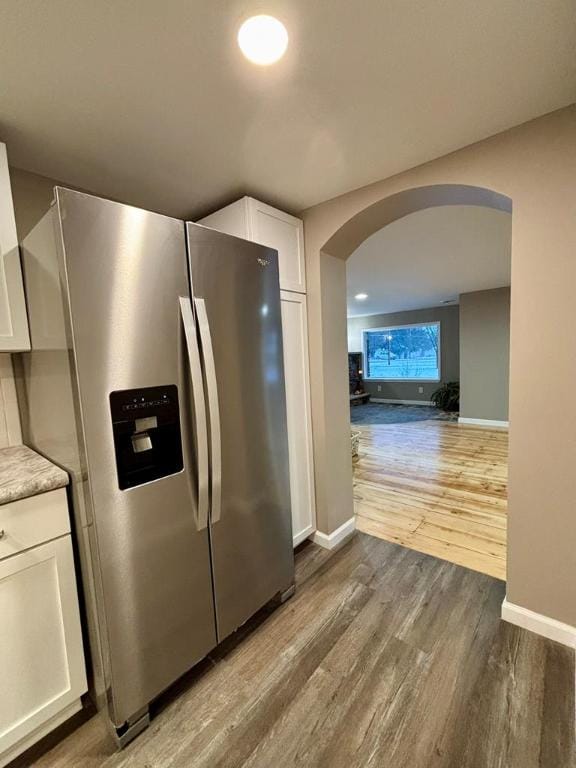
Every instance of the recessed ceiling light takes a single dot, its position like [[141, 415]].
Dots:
[[361, 296], [263, 39], [449, 301]]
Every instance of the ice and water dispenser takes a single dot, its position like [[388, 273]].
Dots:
[[147, 440]]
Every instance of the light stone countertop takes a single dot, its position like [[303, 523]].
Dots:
[[23, 473]]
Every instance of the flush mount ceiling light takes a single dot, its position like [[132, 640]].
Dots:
[[263, 39], [361, 296]]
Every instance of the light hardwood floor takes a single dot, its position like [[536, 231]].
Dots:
[[384, 658], [437, 487]]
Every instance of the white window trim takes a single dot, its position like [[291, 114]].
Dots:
[[366, 331]]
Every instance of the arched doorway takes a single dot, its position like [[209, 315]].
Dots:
[[327, 286], [428, 304], [379, 214]]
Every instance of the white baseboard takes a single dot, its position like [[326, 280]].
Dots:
[[541, 625], [484, 422], [399, 402], [329, 541]]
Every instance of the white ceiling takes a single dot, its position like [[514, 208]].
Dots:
[[429, 257], [151, 102]]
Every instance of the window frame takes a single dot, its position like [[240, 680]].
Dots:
[[380, 329]]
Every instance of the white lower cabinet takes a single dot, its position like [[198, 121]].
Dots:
[[42, 673], [295, 338]]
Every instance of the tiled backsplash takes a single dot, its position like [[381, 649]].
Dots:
[[10, 432]]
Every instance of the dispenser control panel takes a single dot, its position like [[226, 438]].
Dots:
[[147, 439]]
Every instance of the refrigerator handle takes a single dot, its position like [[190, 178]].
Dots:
[[199, 409], [212, 387]]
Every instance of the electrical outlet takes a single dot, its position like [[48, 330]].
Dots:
[[379, 387], [420, 390]]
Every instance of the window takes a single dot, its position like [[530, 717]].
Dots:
[[404, 352]]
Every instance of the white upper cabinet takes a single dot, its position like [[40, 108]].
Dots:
[[14, 335], [285, 233], [256, 221], [253, 220]]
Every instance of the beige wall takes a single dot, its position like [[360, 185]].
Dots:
[[325, 310], [448, 317], [10, 432], [485, 354], [535, 166], [32, 195]]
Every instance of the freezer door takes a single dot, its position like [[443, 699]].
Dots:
[[139, 379], [237, 307]]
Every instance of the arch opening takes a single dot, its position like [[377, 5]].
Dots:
[[390, 208], [330, 386]]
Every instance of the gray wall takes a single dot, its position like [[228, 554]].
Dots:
[[485, 354], [449, 349]]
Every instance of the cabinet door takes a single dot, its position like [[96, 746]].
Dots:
[[233, 219], [285, 233], [13, 320], [295, 336], [41, 651]]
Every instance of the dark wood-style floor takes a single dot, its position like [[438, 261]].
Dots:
[[385, 658]]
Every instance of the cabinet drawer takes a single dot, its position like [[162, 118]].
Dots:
[[28, 522]]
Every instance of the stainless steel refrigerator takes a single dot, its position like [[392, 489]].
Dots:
[[156, 379]]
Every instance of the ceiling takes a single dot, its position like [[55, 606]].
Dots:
[[429, 257], [152, 103]]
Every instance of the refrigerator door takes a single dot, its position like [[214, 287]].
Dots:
[[130, 311], [237, 304]]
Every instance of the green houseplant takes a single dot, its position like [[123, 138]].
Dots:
[[447, 396]]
